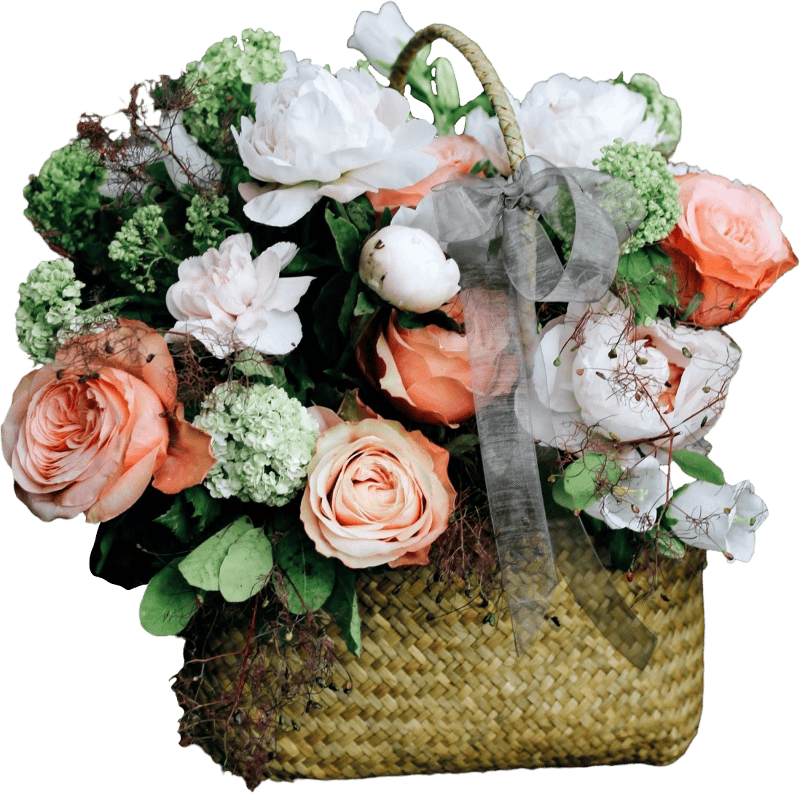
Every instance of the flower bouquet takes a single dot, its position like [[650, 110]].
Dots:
[[294, 337]]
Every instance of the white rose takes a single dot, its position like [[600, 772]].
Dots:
[[407, 268], [317, 134], [566, 121], [597, 373], [718, 518], [381, 37], [230, 301], [633, 501]]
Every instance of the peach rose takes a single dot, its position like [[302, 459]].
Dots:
[[727, 245], [89, 432], [457, 155], [425, 372], [376, 494]]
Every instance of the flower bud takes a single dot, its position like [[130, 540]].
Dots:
[[407, 268]]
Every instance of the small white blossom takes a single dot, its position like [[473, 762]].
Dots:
[[718, 517], [381, 37]]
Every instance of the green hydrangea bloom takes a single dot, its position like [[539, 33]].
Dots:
[[137, 248], [207, 218], [646, 169], [64, 199], [48, 303], [263, 440], [221, 83], [663, 109]]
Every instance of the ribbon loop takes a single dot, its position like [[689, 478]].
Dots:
[[492, 228]]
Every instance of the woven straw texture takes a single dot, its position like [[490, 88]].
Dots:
[[450, 695]]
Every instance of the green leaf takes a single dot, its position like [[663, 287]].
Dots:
[[699, 466], [168, 603], [462, 444], [669, 546], [349, 306], [245, 568], [311, 575], [205, 508], [362, 214], [176, 520], [326, 322], [347, 239], [410, 320], [343, 607], [365, 305], [201, 567], [622, 548], [636, 267], [578, 487], [386, 218]]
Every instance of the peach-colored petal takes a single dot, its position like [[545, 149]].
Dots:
[[126, 490], [189, 458], [325, 417]]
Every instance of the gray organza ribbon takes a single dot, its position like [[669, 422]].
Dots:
[[491, 228]]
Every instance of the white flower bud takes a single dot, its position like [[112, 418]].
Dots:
[[407, 268]]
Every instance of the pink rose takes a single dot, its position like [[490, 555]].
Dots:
[[89, 432], [376, 494], [727, 245], [457, 155]]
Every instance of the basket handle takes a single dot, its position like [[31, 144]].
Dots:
[[484, 71]]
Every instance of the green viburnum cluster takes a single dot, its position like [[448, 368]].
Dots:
[[64, 199], [221, 83], [48, 303], [646, 169], [207, 219], [137, 248], [663, 109], [263, 440]]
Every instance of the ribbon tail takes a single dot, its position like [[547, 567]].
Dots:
[[588, 579], [509, 463]]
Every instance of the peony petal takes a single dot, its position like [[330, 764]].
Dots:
[[283, 206]]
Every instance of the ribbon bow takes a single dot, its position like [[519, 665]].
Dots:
[[492, 228]]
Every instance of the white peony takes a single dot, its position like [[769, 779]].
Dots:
[[718, 517], [317, 134], [566, 121], [381, 37], [230, 301], [597, 373], [407, 268], [635, 498]]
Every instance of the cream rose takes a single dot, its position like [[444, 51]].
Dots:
[[376, 494]]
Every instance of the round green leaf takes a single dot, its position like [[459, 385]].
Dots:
[[201, 567], [168, 603], [245, 568], [311, 575]]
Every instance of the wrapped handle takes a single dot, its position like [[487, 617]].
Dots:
[[484, 71]]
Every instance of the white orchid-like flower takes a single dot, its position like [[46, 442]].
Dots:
[[317, 134], [381, 37], [633, 501], [719, 517], [185, 154], [229, 301]]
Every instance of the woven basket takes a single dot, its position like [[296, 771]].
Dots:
[[439, 687]]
